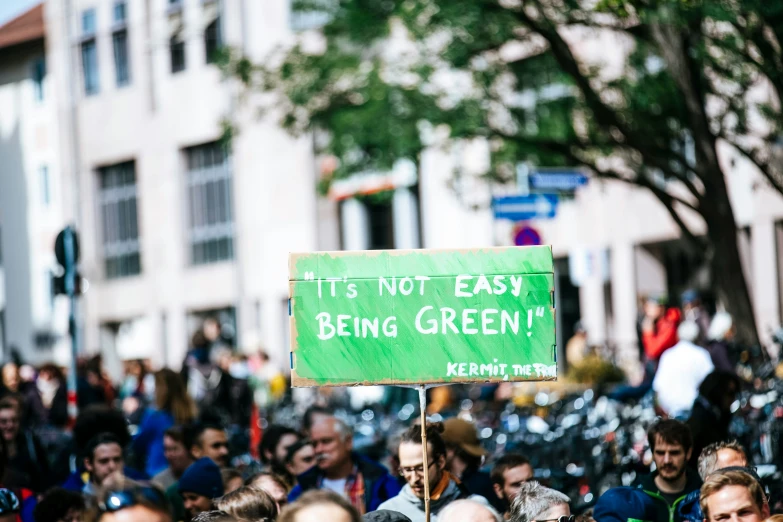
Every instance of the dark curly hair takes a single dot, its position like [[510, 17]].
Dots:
[[95, 420], [56, 503], [670, 431], [434, 438]]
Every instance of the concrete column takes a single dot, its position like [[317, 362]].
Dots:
[[355, 225], [593, 307], [624, 307], [178, 336], [406, 219], [766, 298]]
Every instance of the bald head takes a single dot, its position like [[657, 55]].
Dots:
[[468, 511]]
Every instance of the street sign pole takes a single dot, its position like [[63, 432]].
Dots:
[[70, 289], [523, 179]]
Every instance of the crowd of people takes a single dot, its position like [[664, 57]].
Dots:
[[162, 446], [314, 475]]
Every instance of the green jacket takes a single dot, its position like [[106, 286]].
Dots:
[[668, 512]]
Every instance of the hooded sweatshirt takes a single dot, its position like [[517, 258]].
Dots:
[[413, 507]]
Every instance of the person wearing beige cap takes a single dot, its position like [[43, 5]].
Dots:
[[464, 458]]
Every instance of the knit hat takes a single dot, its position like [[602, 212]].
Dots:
[[202, 478], [623, 505], [385, 515]]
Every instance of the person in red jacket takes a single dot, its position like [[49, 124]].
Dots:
[[659, 327]]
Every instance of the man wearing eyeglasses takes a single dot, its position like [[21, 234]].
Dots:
[[444, 487]]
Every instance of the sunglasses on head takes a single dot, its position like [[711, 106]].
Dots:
[[125, 498], [9, 502]]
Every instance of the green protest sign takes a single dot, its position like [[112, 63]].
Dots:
[[422, 316]]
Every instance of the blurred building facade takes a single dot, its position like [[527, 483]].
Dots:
[[31, 207], [173, 228]]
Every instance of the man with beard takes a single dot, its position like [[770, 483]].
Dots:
[[511, 471], [444, 487], [364, 483], [671, 444]]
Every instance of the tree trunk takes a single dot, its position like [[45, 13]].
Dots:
[[725, 262]]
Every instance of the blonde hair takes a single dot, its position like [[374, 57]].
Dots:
[[249, 505], [315, 497], [720, 479]]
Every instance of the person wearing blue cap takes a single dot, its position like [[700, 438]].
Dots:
[[199, 486], [625, 504]]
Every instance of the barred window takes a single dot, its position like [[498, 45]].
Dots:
[[121, 247], [211, 233]]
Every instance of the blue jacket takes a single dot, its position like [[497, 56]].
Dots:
[[690, 508], [379, 485], [149, 440]]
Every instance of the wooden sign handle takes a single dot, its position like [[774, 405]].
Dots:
[[425, 462]]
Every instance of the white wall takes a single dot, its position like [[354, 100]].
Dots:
[[28, 142]]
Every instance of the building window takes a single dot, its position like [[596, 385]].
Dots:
[[39, 73], [380, 217], [121, 248], [90, 66], [212, 41], [89, 52], [43, 175], [120, 13], [211, 234], [88, 22], [177, 51], [224, 318], [121, 61]]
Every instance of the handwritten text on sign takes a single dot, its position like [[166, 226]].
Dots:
[[354, 321]]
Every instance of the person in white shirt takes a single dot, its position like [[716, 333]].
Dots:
[[681, 370]]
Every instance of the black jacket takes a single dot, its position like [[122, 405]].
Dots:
[[30, 464], [479, 483], [708, 424], [668, 512]]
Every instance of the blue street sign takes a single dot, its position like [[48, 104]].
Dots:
[[564, 180], [521, 208]]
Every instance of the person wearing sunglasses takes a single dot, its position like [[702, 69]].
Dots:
[[124, 500], [536, 503], [444, 487]]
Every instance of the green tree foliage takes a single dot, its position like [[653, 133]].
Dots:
[[668, 80]]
